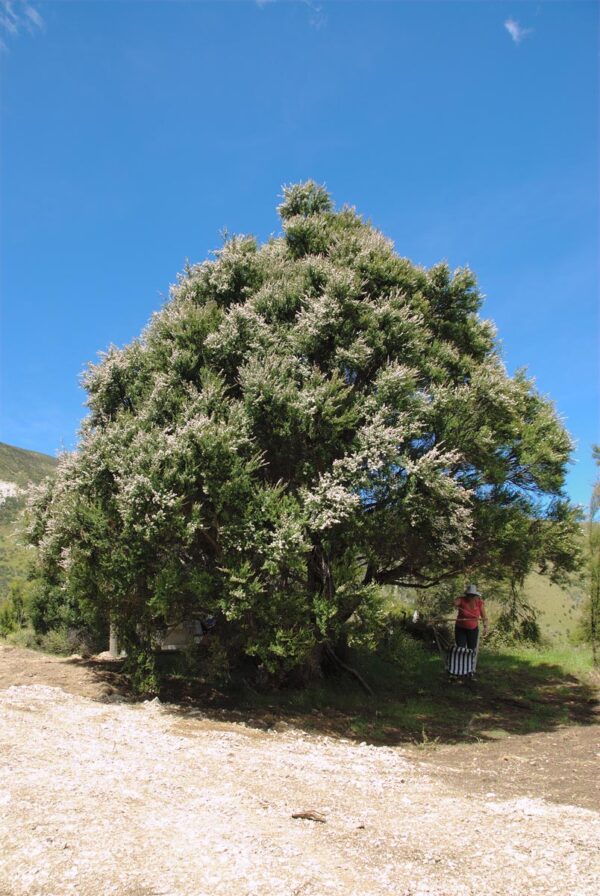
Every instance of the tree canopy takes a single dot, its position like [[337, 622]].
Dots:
[[303, 421]]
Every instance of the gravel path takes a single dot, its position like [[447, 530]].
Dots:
[[139, 800]]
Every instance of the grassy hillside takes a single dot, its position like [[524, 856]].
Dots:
[[20, 467], [14, 555], [558, 609]]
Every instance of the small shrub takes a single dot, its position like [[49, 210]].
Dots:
[[87, 641], [400, 648], [142, 669], [214, 662], [57, 641], [14, 607], [24, 637]]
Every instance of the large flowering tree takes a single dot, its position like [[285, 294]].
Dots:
[[302, 422]]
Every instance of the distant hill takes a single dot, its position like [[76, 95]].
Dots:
[[559, 609], [18, 469], [21, 467]]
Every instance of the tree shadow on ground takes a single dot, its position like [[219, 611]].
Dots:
[[108, 675], [512, 696]]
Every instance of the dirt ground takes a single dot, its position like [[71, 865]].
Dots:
[[102, 796]]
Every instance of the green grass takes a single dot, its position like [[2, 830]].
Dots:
[[21, 466], [574, 661], [558, 609], [518, 691]]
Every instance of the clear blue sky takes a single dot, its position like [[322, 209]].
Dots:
[[133, 132]]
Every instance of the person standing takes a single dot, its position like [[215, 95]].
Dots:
[[471, 609]]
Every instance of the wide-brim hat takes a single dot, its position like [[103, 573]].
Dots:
[[471, 591]]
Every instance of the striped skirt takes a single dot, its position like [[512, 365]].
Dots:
[[461, 661]]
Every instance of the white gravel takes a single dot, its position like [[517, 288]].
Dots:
[[142, 800]]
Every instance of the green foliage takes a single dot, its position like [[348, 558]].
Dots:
[[209, 661], [383, 636], [24, 637], [33, 615], [59, 641], [515, 627], [591, 622], [15, 608], [18, 468], [142, 667], [15, 557], [303, 422]]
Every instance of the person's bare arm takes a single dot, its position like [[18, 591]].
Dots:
[[484, 620]]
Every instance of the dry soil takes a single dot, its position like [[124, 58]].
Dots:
[[100, 796]]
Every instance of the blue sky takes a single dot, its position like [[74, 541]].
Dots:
[[133, 132]]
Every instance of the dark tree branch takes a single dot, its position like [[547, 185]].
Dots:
[[329, 650], [405, 578]]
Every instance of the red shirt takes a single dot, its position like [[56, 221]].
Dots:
[[469, 612]]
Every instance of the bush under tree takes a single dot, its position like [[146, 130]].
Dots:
[[591, 619], [303, 422]]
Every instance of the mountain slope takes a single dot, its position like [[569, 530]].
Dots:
[[18, 469]]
